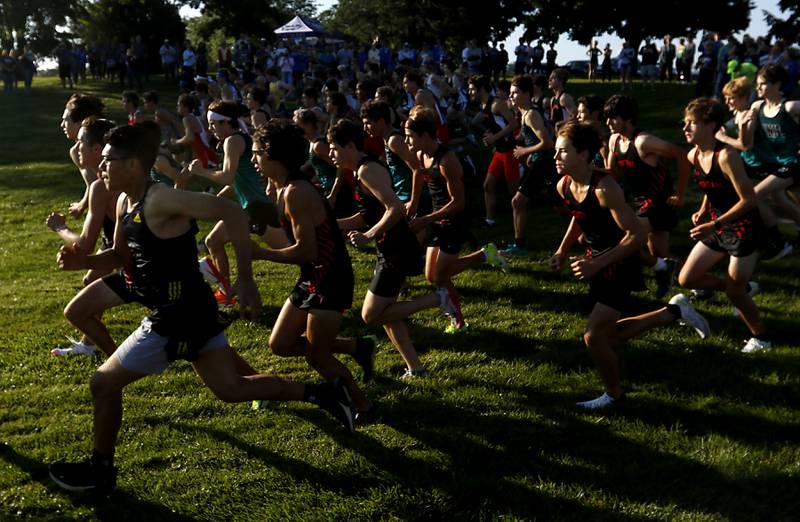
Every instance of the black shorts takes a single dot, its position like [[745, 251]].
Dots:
[[613, 285], [541, 175], [449, 236], [739, 239], [788, 171], [305, 296], [387, 279], [116, 282], [662, 217], [64, 71], [757, 173], [261, 215]]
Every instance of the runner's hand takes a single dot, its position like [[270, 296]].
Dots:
[[71, 258], [519, 152], [357, 239], [584, 267], [557, 262], [77, 209], [702, 231], [698, 216], [249, 299], [56, 222]]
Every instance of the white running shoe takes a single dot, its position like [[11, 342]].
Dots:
[[690, 316], [77, 348], [755, 345], [448, 306], [210, 272], [602, 402], [754, 289]]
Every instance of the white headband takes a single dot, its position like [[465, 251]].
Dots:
[[215, 116]]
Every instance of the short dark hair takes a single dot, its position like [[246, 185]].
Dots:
[[377, 110], [480, 82], [151, 96], [774, 73], [339, 101], [415, 77], [140, 141], [308, 116], [504, 85], [624, 106], [285, 143], [345, 132], [311, 92], [96, 129], [422, 120], [524, 83], [593, 102], [130, 97], [81, 106], [258, 94], [188, 101], [706, 110], [384, 90], [583, 136]]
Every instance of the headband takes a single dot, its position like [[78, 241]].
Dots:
[[215, 116]]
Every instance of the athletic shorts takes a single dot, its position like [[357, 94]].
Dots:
[[760, 172], [145, 351], [613, 285], [116, 282], [541, 175], [504, 165], [261, 215], [387, 279], [739, 239], [305, 298], [791, 171], [449, 236], [661, 216]]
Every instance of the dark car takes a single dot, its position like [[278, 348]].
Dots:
[[577, 67]]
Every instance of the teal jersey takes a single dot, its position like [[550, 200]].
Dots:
[[400, 173], [529, 138], [326, 173], [248, 185], [776, 139]]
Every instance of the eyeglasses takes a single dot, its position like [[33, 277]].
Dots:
[[121, 158]]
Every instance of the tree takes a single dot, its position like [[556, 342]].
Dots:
[[34, 22], [634, 20], [785, 29], [248, 17], [452, 22]]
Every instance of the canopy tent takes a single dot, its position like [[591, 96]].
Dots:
[[300, 26]]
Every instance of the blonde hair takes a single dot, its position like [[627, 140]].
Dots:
[[737, 88]]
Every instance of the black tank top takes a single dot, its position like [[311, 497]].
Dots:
[[597, 223], [108, 232], [333, 261], [436, 183], [644, 183], [496, 123], [558, 112], [717, 187], [398, 242]]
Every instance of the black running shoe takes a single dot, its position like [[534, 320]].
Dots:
[[365, 356], [84, 477], [665, 278], [368, 416], [335, 399]]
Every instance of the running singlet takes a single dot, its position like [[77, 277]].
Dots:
[[597, 223], [496, 123], [529, 138], [558, 112], [396, 245], [326, 173], [201, 151], [398, 170], [777, 139], [247, 182], [331, 270], [720, 191], [645, 185], [437, 185], [163, 275]]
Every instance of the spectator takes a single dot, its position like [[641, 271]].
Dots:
[[550, 58], [28, 62], [522, 57], [666, 58], [472, 56], [627, 56], [168, 59], [688, 59], [705, 74], [8, 70], [63, 54], [224, 56], [607, 65], [407, 55], [649, 59]]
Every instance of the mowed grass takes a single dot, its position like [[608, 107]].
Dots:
[[709, 434]]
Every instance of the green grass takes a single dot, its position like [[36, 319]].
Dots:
[[710, 434]]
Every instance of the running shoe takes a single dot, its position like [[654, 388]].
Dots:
[[456, 327], [410, 375], [690, 316], [495, 258], [603, 402], [514, 251], [448, 305], [365, 417], [755, 344], [212, 275], [752, 289], [222, 299], [364, 355], [77, 348], [335, 399], [665, 278], [775, 251], [86, 476], [701, 294]]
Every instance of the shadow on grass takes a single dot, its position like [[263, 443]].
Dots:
[[117, 506]]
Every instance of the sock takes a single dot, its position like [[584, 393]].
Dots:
[[102, 459], [675, 310], [312, 392], [520, 242], [490, 221], [660, 265]]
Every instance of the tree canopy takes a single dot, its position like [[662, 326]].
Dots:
[[34, 22], [789, 28], [247, 17]]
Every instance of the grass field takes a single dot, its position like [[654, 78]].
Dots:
[[709, 434]]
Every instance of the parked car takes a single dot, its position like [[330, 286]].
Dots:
[[578, 68]]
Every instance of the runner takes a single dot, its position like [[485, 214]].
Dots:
[[613, 236], [562, 105], [155, 239], [99, 221], [727, 224], [130, 102], [248, 186], [311, 316], [169, 124], [590, 109], [535, 153], [418, 96], [78, 108], [499, 122], [256, 101], [194, 134], [635, 158], [319, 152], [382, 213], [449, 220]]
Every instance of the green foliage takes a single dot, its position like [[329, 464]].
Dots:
[[785, 28], [254, 18], [34, 22], [120, 20], [710, 434]]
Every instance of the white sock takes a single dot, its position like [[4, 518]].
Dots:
[[490, 221], [660, 265]]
